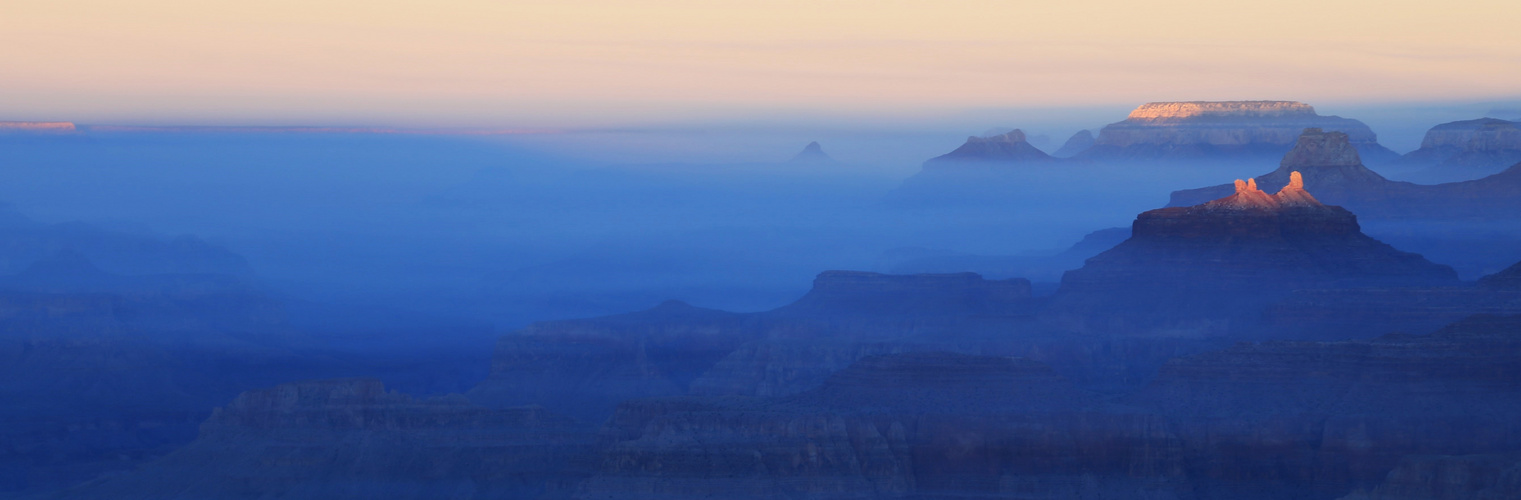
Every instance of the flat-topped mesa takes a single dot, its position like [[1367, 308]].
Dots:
[[1250, 213], [1316, 148], [1162, 111], [1246, 130], [1205, 267], [1483, 134]]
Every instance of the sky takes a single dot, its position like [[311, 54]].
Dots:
[[581, 63]]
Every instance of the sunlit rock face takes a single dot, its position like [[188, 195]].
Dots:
[[37, 128], [1199, 269], [1200, 130], [1467, 149], [1332, 168], [350, 438], [1010, 148], [1327, 163]]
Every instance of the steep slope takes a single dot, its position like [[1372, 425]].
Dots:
[[1463, 150], [1259, 421], [1199, 269], [1079, 142], [1005, 149], [583, 368], [813, 154], [1333, 169], [350, 438]]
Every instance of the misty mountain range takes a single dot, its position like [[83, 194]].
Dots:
[[340, 315]]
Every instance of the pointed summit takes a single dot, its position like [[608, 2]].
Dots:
[[1327, 161], [813, 153], [1078, 143]]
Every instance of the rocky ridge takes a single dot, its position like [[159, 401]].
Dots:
[[1333, 169], [350, 438], [1469, 149], [1201, 268], [1184, 130], [1008, 148]]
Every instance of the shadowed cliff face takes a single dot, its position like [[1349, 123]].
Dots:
[[1197, 270], [1257, 421], [353, 439], [1183, 130], [843, 293], [1463, 150], [584, 368], [1079, 142], [1333, 170]]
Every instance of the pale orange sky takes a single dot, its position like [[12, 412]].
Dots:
[[592, 62]]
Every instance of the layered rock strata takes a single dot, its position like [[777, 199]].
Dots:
[[350, 438], [1333, 169], [1196, 270], [1468, 149], [1198, 130]]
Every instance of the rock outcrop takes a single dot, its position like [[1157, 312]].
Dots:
[[1076, 144], [1333, 170], [1330, 166], [1218, 130], [1005, 149], [1463, 150], [1508, 279], [351, 438], [1198, 269]]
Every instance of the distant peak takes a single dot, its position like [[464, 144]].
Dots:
[[1015, 135], [1202, 109], [812, 153]]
